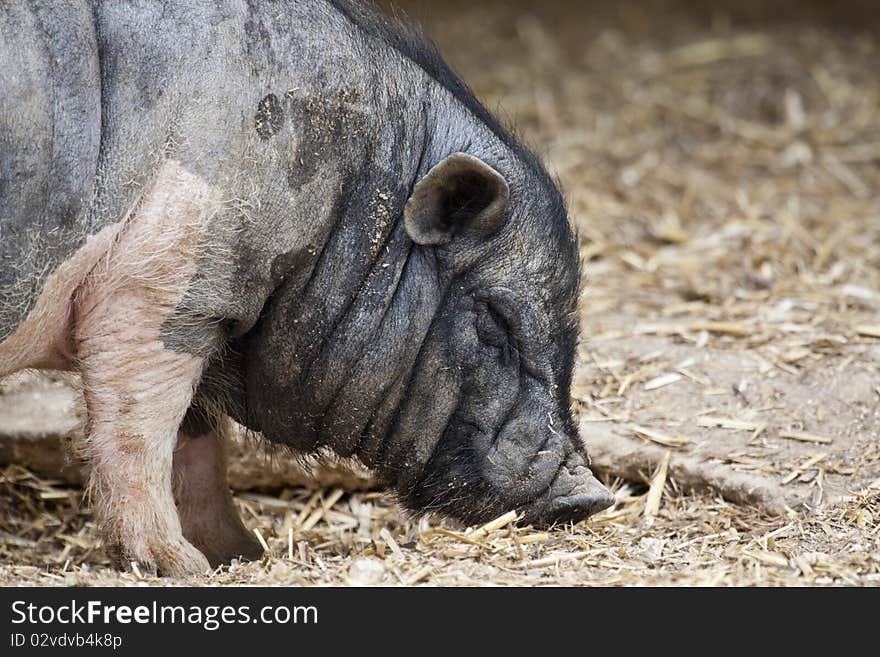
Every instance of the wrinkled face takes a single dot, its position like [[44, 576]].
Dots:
[[502, 348], [509, 441], [444, 363]]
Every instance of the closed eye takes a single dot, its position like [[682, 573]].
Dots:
[[500, 325], [492, 328]]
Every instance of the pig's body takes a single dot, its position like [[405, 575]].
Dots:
[[263, 210], [247, 99]]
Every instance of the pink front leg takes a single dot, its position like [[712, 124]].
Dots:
[[136, 395], [137, 388]]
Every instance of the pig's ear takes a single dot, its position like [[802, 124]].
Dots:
[[461, 193]]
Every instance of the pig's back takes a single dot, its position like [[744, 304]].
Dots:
[[50, 128]]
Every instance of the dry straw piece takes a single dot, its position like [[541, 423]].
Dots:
[[805, 437], [660, 438], [869, 331], [655, 491]]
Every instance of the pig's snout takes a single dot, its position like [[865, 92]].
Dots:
[[574, 494], [584, 500]]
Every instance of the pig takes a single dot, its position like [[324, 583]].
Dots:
[[292, 215]]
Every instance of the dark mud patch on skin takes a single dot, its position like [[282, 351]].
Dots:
[[269, 117], [327, 125]]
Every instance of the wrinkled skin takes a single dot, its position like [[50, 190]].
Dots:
[[294, 214], [447, 365], [453, 383]]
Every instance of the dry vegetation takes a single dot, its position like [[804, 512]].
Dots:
[[326, 538], [722, 169]]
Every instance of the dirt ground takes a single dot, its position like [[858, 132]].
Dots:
[[721, 165]]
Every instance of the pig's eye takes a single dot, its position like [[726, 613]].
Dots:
[[492, 328]]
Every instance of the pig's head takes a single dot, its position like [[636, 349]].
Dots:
[[502, 349], [447, 367]]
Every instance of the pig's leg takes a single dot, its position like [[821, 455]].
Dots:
[[136, 395], [208, 515], [138, 385]]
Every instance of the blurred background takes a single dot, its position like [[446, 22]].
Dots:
[[676, 120]]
